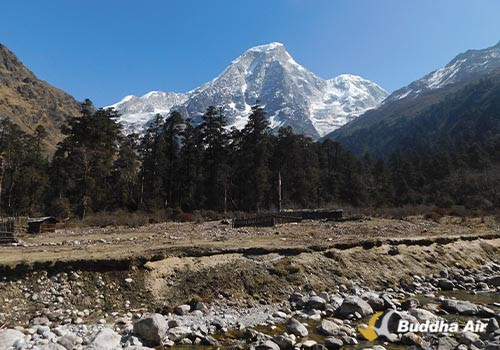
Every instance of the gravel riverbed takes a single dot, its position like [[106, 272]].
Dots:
[[317, 320]]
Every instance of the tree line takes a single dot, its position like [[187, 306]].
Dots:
[[187, 166]]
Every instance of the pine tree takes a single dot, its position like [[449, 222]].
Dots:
[[252, 173], [214, 140], [189, 168], [83, 162], [126, 173], [152, 150], [172, 130]]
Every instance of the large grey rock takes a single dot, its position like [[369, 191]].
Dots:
[[328, 327], [284, 342], [459, 307], [447, 343], [332, 343], [68, 341], [316, 302], [494, 281], [182, 310], [468, 338], [43, 321], [308, 344], [178, 333], [105, 339], [423, 315], [411, 338], [10, 337], [151, 329], [374, 300], [52, 346], [267, 345], [353, 304], [445, 284], [410, 303], [492, 326], [295, 327], [493, 345]]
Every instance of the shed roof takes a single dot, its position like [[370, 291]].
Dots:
[[42, 219]]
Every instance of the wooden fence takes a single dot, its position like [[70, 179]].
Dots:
[[318, 214], [265, 220], [7, 230]]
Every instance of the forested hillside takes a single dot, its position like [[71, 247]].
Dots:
[[184, 167]]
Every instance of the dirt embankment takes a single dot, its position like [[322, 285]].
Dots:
[[244, 275]]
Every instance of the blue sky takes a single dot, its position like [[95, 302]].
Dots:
[[106, 49]]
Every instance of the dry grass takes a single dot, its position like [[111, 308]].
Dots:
[[121, 242]]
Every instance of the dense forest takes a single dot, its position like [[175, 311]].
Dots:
[[188, 167]]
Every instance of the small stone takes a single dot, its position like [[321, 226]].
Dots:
[[182, 309]]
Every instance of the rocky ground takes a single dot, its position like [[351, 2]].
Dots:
[[310, 296], [325, 320]]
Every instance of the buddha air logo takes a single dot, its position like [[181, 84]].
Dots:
[[372, 331]]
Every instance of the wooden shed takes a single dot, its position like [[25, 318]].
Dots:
[[41, 225]]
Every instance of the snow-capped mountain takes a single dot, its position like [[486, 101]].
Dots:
[[422, 111], [291, 95], [137, 111], [464, 66]]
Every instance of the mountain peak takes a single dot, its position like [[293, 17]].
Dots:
[[268, 47], [29, 101], [292, 95], [465, 66]]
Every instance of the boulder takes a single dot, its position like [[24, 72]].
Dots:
[[468, 338], [52, 346], [492, 326], [484, 311], [459, 307], [410, 304], [374, 300], [42, 321], [178, 333], [182, 309], [388, 303], [328, 327], [105, 339], [208, 340], [494, 281], [423, 315], [445, 284], [316, 302], [267, 345], [284, 342], [10, 337], [308, 344], [411, 338], [151, 329], [353, 304], [447, 343], [318, 347], [295, 327], [68, 341], [332, 343]]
